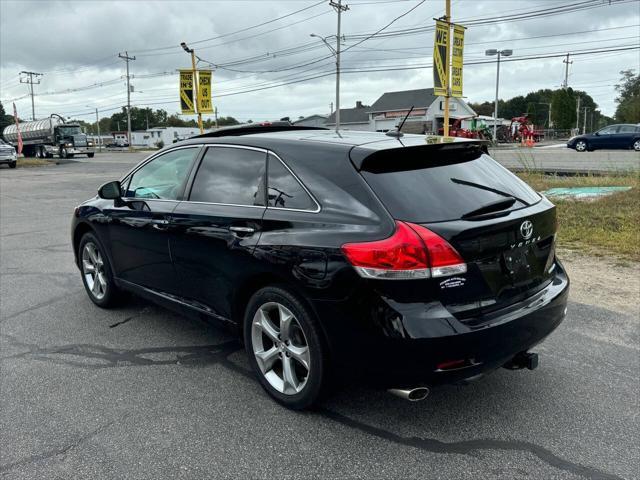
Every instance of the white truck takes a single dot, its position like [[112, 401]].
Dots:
[[50, 136]]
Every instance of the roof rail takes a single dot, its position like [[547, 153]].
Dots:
[[258, 127]]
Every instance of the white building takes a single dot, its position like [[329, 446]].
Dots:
[[167, 135], [311, 121]]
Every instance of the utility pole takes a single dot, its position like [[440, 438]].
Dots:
[[447, 18], [331, 108], [584, 120], [30, 81], [578, 115], [215, 112], [566, 72], [339, 9], [126, 58]]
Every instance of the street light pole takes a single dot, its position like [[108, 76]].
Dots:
[[98, 127], [499, 53]]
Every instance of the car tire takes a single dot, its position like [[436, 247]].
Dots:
[[90, 155], [581, 146], [13, 164], [286, 347], [95, 270], [636, 145]]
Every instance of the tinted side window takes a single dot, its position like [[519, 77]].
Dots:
[[163, 177], [284, 190], [230, 175], [627, 129]]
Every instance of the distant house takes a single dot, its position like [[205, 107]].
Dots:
[[351, 118], [311, 121], [427, 115]]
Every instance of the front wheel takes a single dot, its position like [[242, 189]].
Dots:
[[90, 155], [286, 348], [636, 145], [13, 164], [96, 272], [581, 146]]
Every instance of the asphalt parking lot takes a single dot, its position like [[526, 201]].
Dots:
[[139, 392]]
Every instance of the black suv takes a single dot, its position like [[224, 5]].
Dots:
[[406, 261]]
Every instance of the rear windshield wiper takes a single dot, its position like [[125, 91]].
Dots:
[[492, 207], [489, 189]]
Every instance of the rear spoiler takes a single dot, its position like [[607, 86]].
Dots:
[[265, 127], [371, 156]]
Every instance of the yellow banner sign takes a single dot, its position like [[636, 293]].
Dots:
[[186, 92], [440, 59], [204, 91], [456, 60]]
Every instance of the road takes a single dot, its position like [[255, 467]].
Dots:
[[563, 160], [140, 393]]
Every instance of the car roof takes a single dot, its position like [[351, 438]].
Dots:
[[345, 138]]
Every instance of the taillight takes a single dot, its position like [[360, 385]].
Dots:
[[412, 252]]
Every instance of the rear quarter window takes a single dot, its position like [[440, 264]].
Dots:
[[417, 187]]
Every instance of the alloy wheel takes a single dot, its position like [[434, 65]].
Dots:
[[93, 271], [636, 145], [280, 348], [581, 146]]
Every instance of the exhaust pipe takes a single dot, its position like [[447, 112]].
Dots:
[[412, 394]]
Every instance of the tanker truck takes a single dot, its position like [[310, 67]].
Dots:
[[48, 137]]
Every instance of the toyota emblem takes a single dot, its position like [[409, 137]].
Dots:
[[526, 229]]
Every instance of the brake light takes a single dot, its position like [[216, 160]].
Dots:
[[412, 252]]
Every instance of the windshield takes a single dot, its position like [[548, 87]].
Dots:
[[68, 131]]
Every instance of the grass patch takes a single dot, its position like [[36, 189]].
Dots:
[[33, 162], [608, 225]]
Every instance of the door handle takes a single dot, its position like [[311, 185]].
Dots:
[[159, 223], [245, 230]]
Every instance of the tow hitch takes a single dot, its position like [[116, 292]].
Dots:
[[522, 360]]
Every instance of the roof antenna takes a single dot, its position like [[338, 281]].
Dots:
[[397, 133]]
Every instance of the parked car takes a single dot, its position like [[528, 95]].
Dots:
[[626, 136], [361, 255], [8, 154]]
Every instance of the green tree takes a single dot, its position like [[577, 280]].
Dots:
[[628, 100], [4, 118], [563, 109]]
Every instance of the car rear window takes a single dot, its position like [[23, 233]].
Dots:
[[421, 186]]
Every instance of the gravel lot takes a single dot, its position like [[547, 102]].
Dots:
[[139, 392]]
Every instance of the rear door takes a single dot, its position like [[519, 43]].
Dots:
[[218, 226], [625, 135], [503, 229]]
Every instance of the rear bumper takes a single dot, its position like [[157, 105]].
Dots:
[[412, 352]]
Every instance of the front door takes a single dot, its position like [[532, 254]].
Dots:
[[218, 227], [139, 224], [605, 137]]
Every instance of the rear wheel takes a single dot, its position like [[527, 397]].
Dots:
[[96, 272], [285, 347], [581, 146], [90, 155], [636, 145]]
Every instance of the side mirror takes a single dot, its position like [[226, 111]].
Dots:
[[597, 134], [110, 190]]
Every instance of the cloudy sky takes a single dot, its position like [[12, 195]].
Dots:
[[75, 45]]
